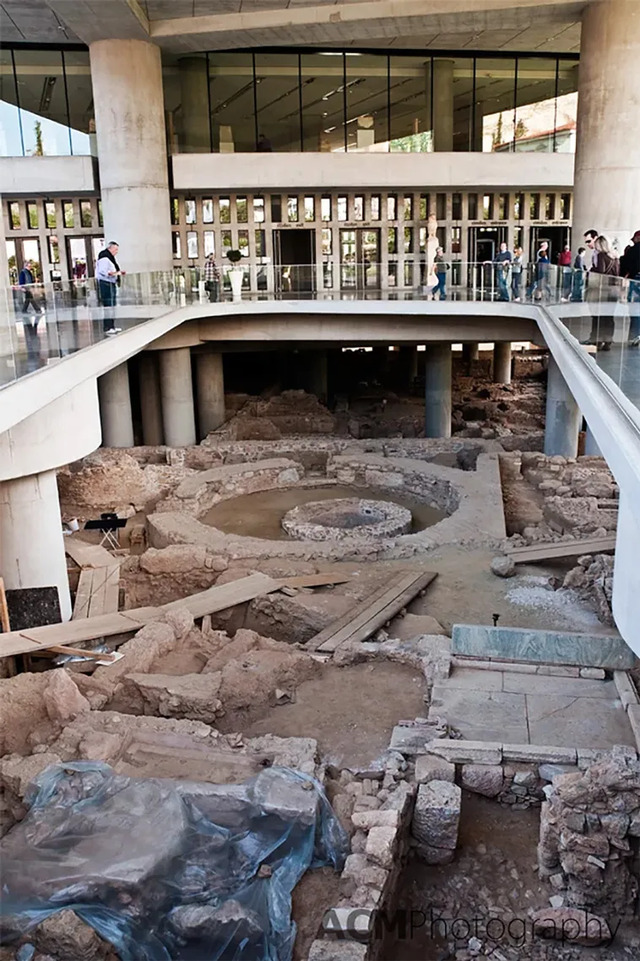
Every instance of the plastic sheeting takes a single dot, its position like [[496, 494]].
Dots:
[[169, 870]]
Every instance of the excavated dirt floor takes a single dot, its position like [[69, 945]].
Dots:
[[493, 876], [350, 710]]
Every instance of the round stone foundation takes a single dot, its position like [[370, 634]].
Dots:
[[346, 517]]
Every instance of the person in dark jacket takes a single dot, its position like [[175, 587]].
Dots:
[[630, 267], [579, 268], [107, 274], [26, 280]]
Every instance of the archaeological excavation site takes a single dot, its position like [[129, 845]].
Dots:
[[335, 686]]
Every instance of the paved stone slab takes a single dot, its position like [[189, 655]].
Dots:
[[555, 647], [482, 715], [465, 678], [577, 721], [571, 686], [538, 754]]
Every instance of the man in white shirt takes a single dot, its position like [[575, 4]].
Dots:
[[107, 273]]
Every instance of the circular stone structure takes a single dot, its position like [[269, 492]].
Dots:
[[346, 517]]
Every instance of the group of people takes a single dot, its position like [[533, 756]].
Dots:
[[589, 275]]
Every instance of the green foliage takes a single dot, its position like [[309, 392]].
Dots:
[[234, 256]]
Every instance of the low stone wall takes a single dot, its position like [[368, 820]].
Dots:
[[200, 492], [474, 498]]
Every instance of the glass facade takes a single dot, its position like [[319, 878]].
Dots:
[[46, 102], [337, 101]]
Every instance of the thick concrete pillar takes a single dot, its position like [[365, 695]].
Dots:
[[178, 415], [607, 168], [408, 364], [443, 104], [437, 422], [210, 384], [317, 382], [562, 418], [470, 353], [115, 408], [150, 402], [502, 362], [31, 541], [126, 76], [194, 87]]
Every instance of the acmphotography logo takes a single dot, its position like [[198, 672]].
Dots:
[[363, 924]]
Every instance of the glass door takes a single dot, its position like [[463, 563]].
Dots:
[[359, 259]]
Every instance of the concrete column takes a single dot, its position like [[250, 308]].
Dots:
[[607, 168], [562, 418], [437, 390], [150, 403], [31, 541], [126, 76], [502, 362], [115, 408], [176, 389], [443, 105], [194, 87], [318, 382], [408, 364], [470, 354], [210, 381]]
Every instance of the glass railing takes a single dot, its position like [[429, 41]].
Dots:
[[42, 323]]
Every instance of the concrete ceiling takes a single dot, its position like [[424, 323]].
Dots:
[[183, 26]]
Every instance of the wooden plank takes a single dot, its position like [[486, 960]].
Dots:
[[315, 580], [404, 585], [90, 628], [544, 552], [87, 555], [76, 652], [104, 596], [83, 594], [380, 616], [112, 588], [5, 623]]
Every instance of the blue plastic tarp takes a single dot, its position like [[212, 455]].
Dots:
[[169, 870]]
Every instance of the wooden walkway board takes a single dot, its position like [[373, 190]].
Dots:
[[90, 628], [98, 591], [549, 552], [366, 618], [87, 555]]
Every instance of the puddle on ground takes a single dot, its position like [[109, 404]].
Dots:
[[260, 514]]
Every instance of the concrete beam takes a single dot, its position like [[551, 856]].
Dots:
[[44, 175], [347, 21], [113, 20], [360, 171]]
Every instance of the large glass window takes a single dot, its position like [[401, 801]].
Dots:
[[410, 104], [10, 128], [231, 94], [366, 99], [277, 101], [80, 98], [43, 102], [535, 111], [495, 89], [322, 95]]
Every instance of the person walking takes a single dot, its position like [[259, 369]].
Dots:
[[516, 273], [564, 263], [630, 267], [502, 262], [602, 286], [26, 280], [590, 238], [540, 283], [212, 278], [579, 269], [108, 273], [440, 268]]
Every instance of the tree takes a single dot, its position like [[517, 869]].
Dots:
[[521, 129], [497, 133], [38, 150]]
